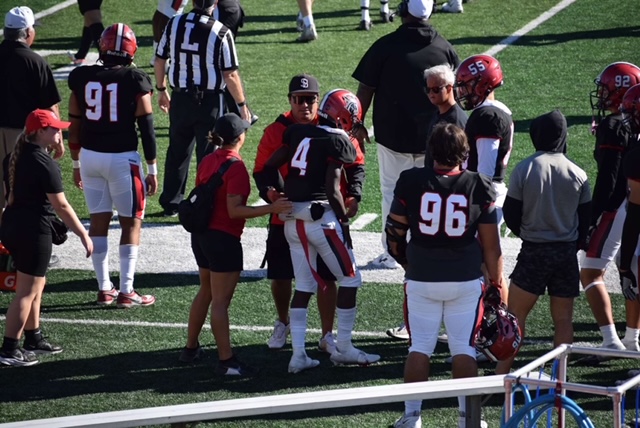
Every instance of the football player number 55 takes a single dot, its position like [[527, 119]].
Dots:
[[93, 93], [451, 220]]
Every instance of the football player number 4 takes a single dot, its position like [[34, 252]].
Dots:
[[93, 95], [451, 220], [299, 159]]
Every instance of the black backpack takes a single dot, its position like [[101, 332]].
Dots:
[[195, 211]]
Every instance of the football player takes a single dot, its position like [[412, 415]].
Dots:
[[319, 224], [166, 10], [106, 103], [443, 207], [365, 22], [629, 250], [613, 140], [303, 97]]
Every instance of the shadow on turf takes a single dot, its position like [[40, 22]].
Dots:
[[553, 38]]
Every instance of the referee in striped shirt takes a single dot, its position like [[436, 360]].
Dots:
[[203, 61]]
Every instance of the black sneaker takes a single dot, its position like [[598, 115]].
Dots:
[[18, 357], [191, 355], [235, 367], [42, 346], [170, 212]]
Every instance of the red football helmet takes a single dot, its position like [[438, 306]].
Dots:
[[631, 109], [118, 45], [476, 78], [342, 108], [498, 334], [612, 84]]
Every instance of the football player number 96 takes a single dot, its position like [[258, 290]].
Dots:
[[454, 213]]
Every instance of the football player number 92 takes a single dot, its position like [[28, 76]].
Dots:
[[93, 93], [454, 213]]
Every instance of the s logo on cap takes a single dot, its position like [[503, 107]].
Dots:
[[304, 83]]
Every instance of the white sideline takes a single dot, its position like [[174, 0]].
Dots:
[[274, 404]]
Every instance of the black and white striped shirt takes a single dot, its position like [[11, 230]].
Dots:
[[200, 49]]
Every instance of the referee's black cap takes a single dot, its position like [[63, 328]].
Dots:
[[203, 4], [304, 83]]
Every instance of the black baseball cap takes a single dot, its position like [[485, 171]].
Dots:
[[304, 83], [230, 126]]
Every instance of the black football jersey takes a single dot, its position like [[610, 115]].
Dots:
[[631, 164], [311, 149], [490, 121], [444, 212], [108, 98]]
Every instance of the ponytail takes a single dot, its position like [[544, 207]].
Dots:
[[13, 160]]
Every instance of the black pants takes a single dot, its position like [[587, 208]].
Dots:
[[190, 121]]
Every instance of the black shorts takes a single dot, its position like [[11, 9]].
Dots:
[[31, 251], [217, 251], [548, 266], [87, 5], [279, 266]]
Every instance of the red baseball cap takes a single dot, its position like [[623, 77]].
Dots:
[[40, 119]]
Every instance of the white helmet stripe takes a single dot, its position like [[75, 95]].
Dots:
[[119, 37]]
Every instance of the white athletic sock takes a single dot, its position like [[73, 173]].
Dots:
[[462, 404], [384, 6], [346, 320], [411, 407], [100, 260], [609, 334], [631, 334], [308, 20], [298, 329], [364, 7], [128, 259]]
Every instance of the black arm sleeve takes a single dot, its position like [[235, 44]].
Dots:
[[265, 179], [148, 136], [608, 166], [355, 180], [630, 232], [584, 220], [512, 211]]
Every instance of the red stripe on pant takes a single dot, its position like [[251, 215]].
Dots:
[[339, 248], [302, 234], [405, 311], [175, 4], [137, 191], [601, 234]]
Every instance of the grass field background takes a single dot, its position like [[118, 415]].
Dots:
[[122, 366]]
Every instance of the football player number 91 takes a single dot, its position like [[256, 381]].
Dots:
[[454, 213]]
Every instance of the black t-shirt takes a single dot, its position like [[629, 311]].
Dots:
[[311, 149], [26, 84], [108, 98], [490, 121], [36, 174], [444, 212], [394, 66], [455, 115], [610, 189]]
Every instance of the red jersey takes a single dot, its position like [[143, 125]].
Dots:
[[234, 182]]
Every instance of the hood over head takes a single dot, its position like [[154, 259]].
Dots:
[[549, 132]]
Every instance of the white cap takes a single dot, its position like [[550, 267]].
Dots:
[[19, 18], [421, 9]]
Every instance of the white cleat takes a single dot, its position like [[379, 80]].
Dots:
[[279, 337], [631, 345], [327, 343], [409, 421], [452, 6], [353, 356], [301, 362], [308, 34]]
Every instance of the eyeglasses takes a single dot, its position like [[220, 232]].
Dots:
[[436, 89], [304, 99]]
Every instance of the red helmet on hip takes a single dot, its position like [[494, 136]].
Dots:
[[612, 84], [476, 77], [630, 108], [342, 108], [118, 45]]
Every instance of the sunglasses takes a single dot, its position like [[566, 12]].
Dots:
[[304, 99], [436, 89]]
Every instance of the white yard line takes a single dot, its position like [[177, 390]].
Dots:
[[529, 27], [50, 11], [363, 220], [101, 322]]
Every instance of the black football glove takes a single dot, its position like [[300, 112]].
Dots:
[[629, 285]]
